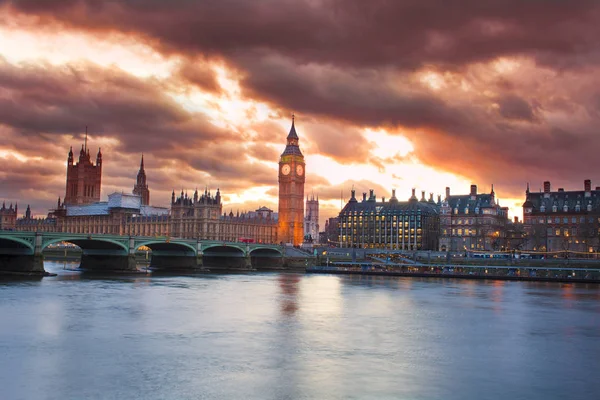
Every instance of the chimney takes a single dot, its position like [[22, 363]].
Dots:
[[371, 194], [439, 199], [587, 184], [447, 192], [413, 197], [383, 199], [473, 190], [364, 196], [561, 189], [423, 195], [393, 193], [516, 220], [353, 192], [547, 187]]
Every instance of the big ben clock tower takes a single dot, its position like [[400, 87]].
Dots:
[[291, 191]]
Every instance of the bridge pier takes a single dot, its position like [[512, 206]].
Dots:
[[19, 260], [108, 262], [176, 262], [22, 264]]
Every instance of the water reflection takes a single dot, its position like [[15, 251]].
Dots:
[[274, 336]]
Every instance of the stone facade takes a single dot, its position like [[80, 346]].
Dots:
[[202, 217], [562, 220], [141, 186], [291, 191], [311, 220], [472, 222], [8, 217], [84, 179], [394, 225]]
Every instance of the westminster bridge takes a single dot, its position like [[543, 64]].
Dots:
[[23, 252]]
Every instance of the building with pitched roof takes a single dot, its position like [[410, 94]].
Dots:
[[562, 220], [8, 216], [392, 224], [472, 222]]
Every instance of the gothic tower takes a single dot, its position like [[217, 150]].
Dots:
[[141, 187], [84, 179], [291, 191], [311, 220]]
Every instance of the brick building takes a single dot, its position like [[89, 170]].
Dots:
[[472, 222], [562, 220]]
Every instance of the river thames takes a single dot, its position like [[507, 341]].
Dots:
[[295, 336]]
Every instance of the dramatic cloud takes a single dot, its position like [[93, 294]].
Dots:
[[492, 91]]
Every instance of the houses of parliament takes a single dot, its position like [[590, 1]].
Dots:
[[197, 215]]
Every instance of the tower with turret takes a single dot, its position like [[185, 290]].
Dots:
[[311, 220], [291, 191], [84, 179], [141, 186]]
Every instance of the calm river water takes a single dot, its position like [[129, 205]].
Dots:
[[294, 336]]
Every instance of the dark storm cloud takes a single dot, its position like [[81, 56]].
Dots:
[[63, 100], [407, 33], [352, 62], [515, 107]]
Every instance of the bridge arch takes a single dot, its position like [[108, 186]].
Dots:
[[17, 245], [219, 249], [162, 246], [90, 243], [266, 252]]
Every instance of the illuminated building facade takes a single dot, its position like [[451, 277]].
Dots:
[[562, 220], [393, 224], [472, 222], [291, 191]]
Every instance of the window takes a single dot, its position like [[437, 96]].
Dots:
[[554, 208], [557, 232], [573, 220], [565, 220], [557, 220]]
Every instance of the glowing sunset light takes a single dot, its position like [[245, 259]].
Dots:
[[477, 99]]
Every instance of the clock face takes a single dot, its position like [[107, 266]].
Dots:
[[299, 170], [285, 169]]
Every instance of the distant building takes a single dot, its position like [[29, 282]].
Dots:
[[395, 225], [330, 236], [202, 217], [472, 222], [30, 224], [141, 187], [311, 220], [8, 217], [562, 220], [84, 179]]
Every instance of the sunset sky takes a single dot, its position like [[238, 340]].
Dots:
[[387, 94]]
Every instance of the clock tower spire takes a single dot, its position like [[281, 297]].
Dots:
[[291, 190]]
